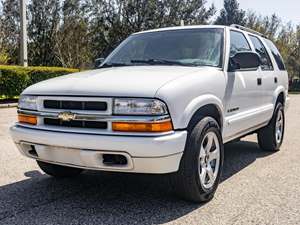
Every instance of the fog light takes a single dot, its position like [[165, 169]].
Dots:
[[142, 127]]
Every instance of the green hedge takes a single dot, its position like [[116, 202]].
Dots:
[[14, 79]]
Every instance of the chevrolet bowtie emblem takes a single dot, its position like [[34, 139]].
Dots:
[[66, 116]]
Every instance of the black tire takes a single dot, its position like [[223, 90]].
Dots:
[[267, 136], [58, 171], [186, 182]]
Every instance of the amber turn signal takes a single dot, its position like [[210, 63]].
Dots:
[[28, 119], [142, 127]]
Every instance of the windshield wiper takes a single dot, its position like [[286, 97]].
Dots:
[[106, 65], [161, 62], [147, 61]]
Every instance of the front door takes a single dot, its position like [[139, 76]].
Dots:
[[243, 94]]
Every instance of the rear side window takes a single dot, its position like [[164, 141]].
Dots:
[[262, 51], [238, 43], [276, 54]]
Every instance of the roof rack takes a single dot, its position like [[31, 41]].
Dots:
[[247, 29]]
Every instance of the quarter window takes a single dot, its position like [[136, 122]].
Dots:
[[261, 50], [276, 54], [238, 43]]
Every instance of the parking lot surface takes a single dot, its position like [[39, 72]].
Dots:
[[257, 187]]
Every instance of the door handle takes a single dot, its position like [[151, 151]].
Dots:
[[275, 80], [259, 81]]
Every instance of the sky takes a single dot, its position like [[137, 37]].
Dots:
[[288, 10]]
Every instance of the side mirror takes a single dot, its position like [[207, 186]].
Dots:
[[98, 62], [244, 61]]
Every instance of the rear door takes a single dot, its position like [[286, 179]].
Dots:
[[267, 72]]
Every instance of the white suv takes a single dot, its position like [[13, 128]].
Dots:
[[164, 101]]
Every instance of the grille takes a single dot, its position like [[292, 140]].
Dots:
[[75, 105], [76, 123]]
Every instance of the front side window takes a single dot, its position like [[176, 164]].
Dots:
[[238, 43], [186, 47], [261, 50]]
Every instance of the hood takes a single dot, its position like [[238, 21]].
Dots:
[[135, 81]]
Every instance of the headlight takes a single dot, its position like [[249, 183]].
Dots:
[[28, 102], [136, 106]]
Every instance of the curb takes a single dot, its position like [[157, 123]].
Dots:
[[8, 105]]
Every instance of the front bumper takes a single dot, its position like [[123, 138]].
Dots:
[[157, 155]]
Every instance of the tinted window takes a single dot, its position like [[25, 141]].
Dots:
[[261, 50], [276, 54], [238, 43], [194, 47]]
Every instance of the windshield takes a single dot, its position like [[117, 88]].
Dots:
[[185, 47]]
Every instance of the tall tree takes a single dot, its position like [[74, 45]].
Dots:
[[72, 39], [44, 21], [288, 43], [231, 14], [114, 20], [268, 25], [193, 12], [271, 25], [4, 57], [296, 52], [10, 29]]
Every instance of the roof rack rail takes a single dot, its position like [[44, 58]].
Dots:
[[247, 29]]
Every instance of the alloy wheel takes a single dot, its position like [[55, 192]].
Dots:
[[209, 160]]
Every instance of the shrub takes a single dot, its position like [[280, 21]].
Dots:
[[14, 79], [4, 57]]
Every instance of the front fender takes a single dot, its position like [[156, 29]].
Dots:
[[188, 94], [196, 104]]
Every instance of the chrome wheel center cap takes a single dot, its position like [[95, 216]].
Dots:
[[206, 159]]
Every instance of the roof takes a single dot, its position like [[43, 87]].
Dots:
[[181, 28], [233, 26]]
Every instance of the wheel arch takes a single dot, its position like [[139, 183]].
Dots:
[[204, 106], [207, 110], [280, 95], [281, 98]]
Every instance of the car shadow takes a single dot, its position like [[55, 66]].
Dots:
[[106, 198]]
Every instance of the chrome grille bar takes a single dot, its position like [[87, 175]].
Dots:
[[104, 118]]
